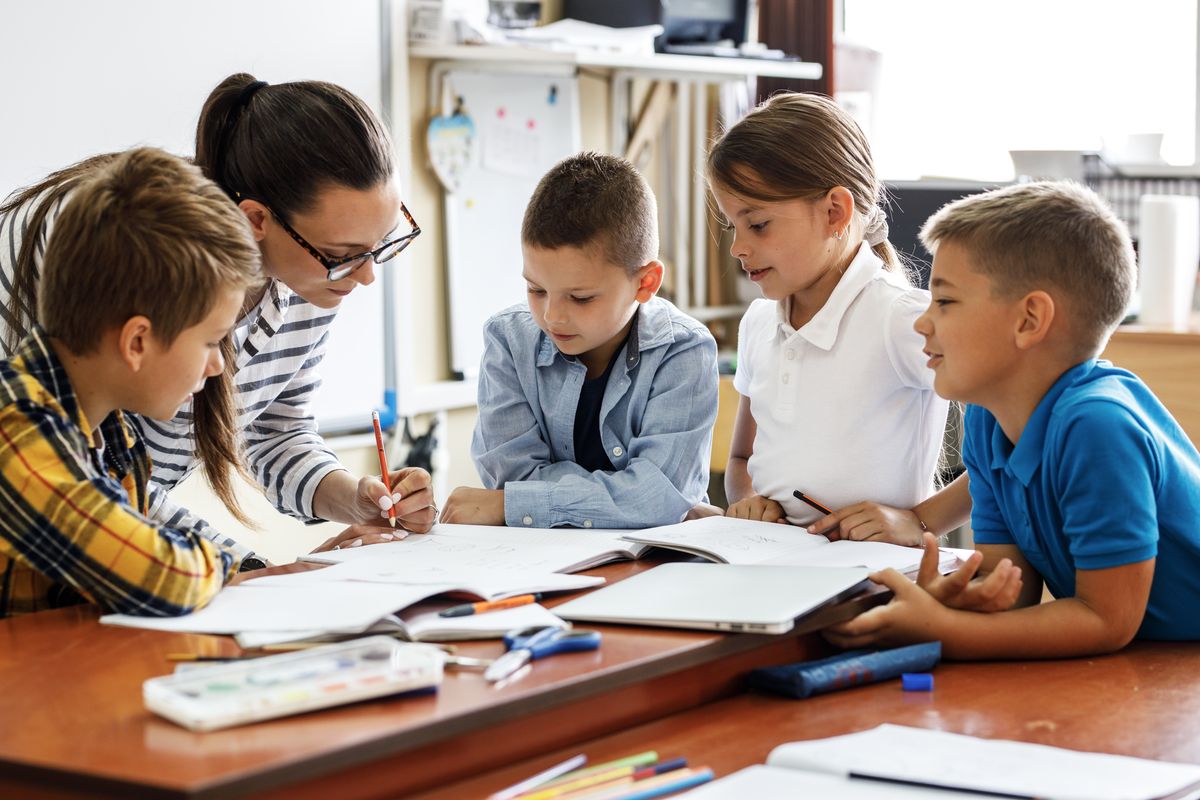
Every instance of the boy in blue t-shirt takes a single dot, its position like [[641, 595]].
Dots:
[[1079, 477]]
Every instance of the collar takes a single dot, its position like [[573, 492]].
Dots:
[[43, 365], [822, 329], [1023, 459], [651, 328]]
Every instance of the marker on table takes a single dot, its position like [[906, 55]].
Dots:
[[545, 776], [383, 467], [606, 779], [638, 760], [195, 657], [803, 498], [467, 609]]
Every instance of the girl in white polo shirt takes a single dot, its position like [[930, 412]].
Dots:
[[837, 401]]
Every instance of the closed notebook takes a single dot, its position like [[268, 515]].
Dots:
[[723, 597], [740, 541]]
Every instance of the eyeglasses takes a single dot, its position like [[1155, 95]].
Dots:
[[338, 268]]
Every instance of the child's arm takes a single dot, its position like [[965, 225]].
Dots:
[[743, 502], [1103, 616], [942, 512], [80, 529]]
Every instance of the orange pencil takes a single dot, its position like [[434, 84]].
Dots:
[[383, 467]]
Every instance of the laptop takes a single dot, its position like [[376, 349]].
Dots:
[[752, 598]]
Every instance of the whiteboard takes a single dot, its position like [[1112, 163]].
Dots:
[[90, 76], [524, 123]]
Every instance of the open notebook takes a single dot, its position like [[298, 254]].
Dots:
[[497, 547], [894, 762], [740, 541]]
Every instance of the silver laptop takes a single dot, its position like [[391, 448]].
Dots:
[[755, 598]]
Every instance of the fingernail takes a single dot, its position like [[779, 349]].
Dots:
[[385, 502], [811, 529], [356, 543], [387, 537], [397, 497], [337, 547]]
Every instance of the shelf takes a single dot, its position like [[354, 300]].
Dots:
[[664, 64]]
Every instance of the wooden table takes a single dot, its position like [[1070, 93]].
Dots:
[[1144, 701], [72, 721]]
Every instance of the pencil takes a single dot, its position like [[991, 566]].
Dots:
[[802, 497], [383, 467], [195, 657], [467, 609]]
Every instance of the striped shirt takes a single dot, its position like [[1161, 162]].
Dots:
[[279, 344], [73, 508]]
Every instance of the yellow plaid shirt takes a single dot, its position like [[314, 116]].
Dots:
[[73, 506]]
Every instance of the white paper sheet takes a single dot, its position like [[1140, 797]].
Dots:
[[951, 760]]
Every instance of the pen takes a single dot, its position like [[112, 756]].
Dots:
[[467, 609], [803, 498], [542, 777], [195, 657], [606, 779], [383, 467], [666, 783], [639, 760]]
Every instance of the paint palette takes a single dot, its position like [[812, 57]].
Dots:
[[290, 683]]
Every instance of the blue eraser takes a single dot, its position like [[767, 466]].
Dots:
[[917, 682]]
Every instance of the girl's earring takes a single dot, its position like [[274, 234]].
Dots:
[[838, 235]]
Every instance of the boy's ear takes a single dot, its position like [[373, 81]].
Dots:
[[257, 213], [1036, 312], [133, 341], [839, 209], [650, 278]]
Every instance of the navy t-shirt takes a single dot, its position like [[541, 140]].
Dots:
[[589, 448]]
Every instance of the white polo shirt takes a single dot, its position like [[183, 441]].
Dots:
[[845, 407]]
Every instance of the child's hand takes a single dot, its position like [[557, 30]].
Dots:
[[912, 616], [411, 495], [997, 591], [873, 521], [359, 535], [757, 507], [702, 510], [468, 506]]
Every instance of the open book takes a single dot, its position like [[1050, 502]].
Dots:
[[337, 606], [894, 762], [496, 547], [739, 541]]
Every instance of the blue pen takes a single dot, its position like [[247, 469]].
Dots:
[[694, 779]]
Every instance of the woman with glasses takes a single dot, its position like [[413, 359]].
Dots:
[[311, 167]]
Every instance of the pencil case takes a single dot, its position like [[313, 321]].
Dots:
[[852, 668]]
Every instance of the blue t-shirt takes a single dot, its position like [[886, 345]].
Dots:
[[1102, 476]]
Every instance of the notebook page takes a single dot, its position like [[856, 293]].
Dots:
[[951, 760], [762, 781]]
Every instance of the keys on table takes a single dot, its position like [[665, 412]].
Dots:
[[529, 644]]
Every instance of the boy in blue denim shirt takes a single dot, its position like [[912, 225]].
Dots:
[[597, 400], [1080, 479]]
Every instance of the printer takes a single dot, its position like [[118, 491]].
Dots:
[[695, 27]]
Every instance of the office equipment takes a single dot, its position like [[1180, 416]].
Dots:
[[524, 123], [909, 204], [529, 644], [740, 541], [721, 597], [291, 683], [685, 23], [852, 668], [803, 498], [916, 756]]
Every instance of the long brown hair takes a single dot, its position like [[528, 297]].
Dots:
[[801, 145], [280, 144]]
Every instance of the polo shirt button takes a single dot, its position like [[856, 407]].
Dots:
[[791, 355], [783, 378], [587, 523], [528, 520], [617, 452]]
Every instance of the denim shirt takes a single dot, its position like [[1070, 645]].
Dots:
[[656, 423]]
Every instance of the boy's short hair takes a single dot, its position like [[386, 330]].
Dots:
[[593, 198], [144, 234], [1054, 235]]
